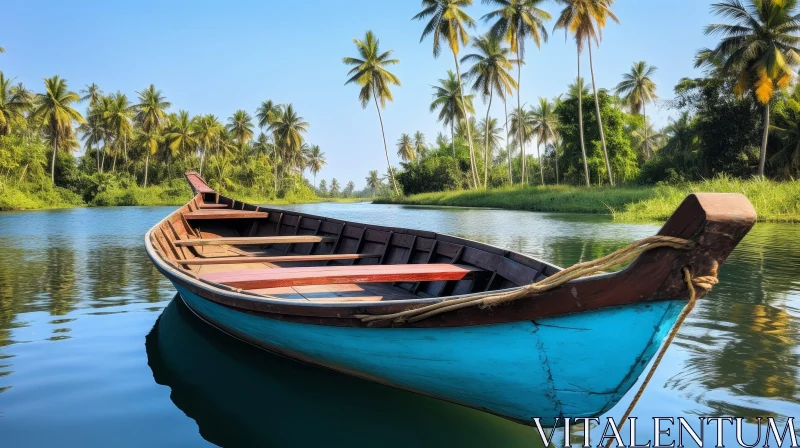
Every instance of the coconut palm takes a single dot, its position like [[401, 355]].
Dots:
[[334, 191], [240, 125], [151, 116], [405, 148], [14, 102], [637, 89], [374, 181], [491, 132], [516, 21], [585, 19], [452, 105], [288, 130], [490, 74], [316, 160], [420, 146], [264, 112], [545, 128], [759, 50], [523, 124], [207, 129], [117, 118], [181, 133], [448, 21], [787, 127], [369, 71], [93, 131], [91, 93], [54, 112]]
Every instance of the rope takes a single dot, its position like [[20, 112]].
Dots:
[[704, 282], [554, 281]]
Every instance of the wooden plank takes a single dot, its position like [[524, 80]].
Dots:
[[224, 214], [324, 275], [278, 258], [255, 241], [213, 206]]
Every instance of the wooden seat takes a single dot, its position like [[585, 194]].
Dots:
[[206, 206], [224, 214], [323, 275], [278, 259], [254, 240]]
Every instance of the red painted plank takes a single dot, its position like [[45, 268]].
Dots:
[[323, 275], [224, 214], [197, 183]]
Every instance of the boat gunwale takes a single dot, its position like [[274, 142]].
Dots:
[[701, 218]]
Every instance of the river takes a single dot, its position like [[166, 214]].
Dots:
[[82, 365]]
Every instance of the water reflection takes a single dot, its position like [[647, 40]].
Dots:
[[71, 281], [243, 396]]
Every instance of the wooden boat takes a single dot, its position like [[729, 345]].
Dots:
[[306, 286]]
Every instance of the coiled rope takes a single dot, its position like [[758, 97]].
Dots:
[[491, 299], [704, 282]]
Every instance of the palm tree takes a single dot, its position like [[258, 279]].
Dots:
[[759, 50], [181, 133], [420, 146], [334, 191], [369, 71], [288, 129], [545, 128], [522, 125], [241, 126], [264, 112], [787, 128], [585, 19], [490, 74], [207, 129], [490, 131], [405, 148], [453, 106], [151, 116], [14, 102], [681, 133], [91, 93], [118, 121], [373, 181], [54, 112], [637, 89], [448, 21], [648, 138], [316, 160], [517, 20]]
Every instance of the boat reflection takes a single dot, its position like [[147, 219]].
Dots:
[[240, 395]]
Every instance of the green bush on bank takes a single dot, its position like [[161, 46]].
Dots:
[[773, 201], [30, 196]]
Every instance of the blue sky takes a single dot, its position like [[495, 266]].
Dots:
[[216, 57]]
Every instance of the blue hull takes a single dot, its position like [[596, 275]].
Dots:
[[578, 365]]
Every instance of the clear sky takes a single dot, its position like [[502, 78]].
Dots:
[[216, 57]]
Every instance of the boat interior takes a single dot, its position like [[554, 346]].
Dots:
[[288, 255]]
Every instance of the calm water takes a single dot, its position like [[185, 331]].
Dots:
[[83, 361]]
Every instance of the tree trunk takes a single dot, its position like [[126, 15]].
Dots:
[[539, 155], [146, 166], [453, 139], [203, 160], [385, 147], [486, 144], [580, 117], [466, 122], [53, 161], [520, 118], [599, 118], [555, 151], [508, 147], [762, 160], [97, 156], [647, 151]]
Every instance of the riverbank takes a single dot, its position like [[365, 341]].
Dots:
[[773, 201], [30, 197]]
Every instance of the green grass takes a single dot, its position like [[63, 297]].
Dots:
[[773, 201], [31, 197]]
